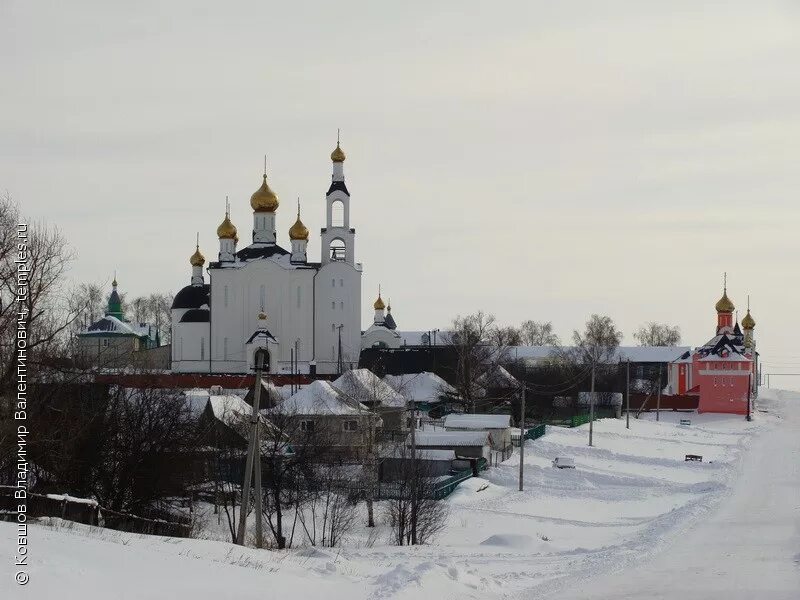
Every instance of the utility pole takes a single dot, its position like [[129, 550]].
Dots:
[[628, 395], [591, 408], [522, 438], [253, 456], [658, 400]]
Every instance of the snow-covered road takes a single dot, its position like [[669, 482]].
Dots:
[[749, 548]]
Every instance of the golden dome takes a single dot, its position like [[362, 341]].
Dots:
[[338, 154], [724, 304], [226, 229], [262, 316], [298, 231], [264, 199], [748, 322], [379, 305], [197, 259]]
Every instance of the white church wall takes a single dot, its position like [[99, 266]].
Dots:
[[338, 292]]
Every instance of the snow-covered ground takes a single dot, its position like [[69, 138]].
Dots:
[[632, 520]]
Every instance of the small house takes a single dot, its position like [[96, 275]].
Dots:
[[465, 444], [499, 426]]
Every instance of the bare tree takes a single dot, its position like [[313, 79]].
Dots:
[[472, 338], [536, 333], [154, 309], [506, 336], [329, 503], [291, 451], [598, 342], [368, 390], [47, 316], [658, 334], [415, 511]]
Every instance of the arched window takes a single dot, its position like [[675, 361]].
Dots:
[[337, 213], [338, 250]]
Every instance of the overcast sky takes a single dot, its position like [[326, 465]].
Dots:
[[541, 160]]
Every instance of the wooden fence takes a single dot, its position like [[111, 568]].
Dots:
[[89, 512]]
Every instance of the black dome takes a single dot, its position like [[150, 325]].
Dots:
[[192, 296], [196, 315]]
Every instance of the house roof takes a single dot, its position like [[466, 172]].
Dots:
[[498, 377], [110, 325], [420, 387], [229, 409], [451, 438], [365, 386], [477, 422], [321, 398]]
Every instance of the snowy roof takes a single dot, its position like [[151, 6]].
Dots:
[[321, 398], [364, 385], [231, 410], [110, 325], [197, 399], [420, 387], [479, 422], [723, 347], [451, 438], [498, 377], [656, 354], [263, 251]]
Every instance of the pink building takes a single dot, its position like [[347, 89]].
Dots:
[[722, 372]]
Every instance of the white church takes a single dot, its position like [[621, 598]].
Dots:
[[307, 314]]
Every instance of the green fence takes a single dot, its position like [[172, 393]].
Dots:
[[535, 432], [446, 487], [579, 420]]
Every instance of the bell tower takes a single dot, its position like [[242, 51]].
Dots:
[[725, 310], [338, 238]]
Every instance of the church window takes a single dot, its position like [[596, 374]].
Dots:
[[225, 349], [715, 382], [341, 283], [225, 292], [333, 305], [333, 283], [263, 297], [202, 348], [337, 213], [333, 327], [298, 296], [338, 250], [341, 305]]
